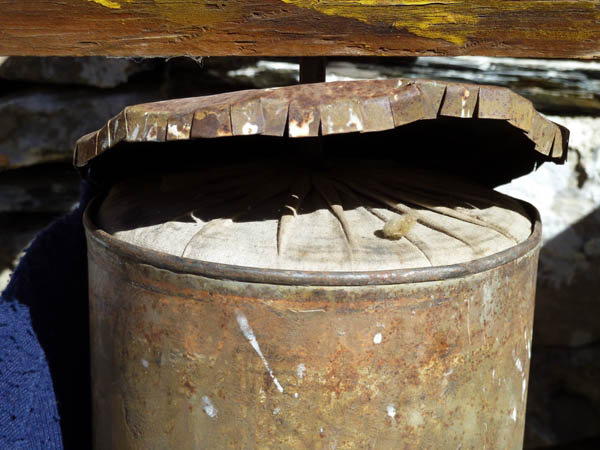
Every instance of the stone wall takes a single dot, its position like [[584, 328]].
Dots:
[[564, 394], [46, 104]]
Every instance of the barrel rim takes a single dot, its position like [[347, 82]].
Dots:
[[178, 264]]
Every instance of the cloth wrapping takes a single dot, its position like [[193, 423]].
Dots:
[[44, 343]]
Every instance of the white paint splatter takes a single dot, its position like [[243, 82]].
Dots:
[[513, 414], [468, 300], [299, 311], [329, 124], [391, 411], [519, 364], [354, 121], [135, 132], [527, 345], [448, 372], [297, 130], [301, 370], [487, 305], [177, 132], [377, 338], [110, 136], [249, 334], [174, 130], [209, 408], [276, 411], [145, 363], [249, 128], [379, 325], [295, 395], [465, 112]]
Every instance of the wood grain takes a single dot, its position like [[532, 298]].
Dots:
[[533, 28]]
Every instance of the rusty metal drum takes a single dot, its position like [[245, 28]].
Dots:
[[315, 298], [190, 353]]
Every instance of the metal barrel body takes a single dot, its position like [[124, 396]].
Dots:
[[188, 358]]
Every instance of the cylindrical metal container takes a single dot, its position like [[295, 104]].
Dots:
[[191, 354]]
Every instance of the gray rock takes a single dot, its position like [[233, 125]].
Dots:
[[30, 199], [563, 402], [568, 198], [95, 71], [44, 188], [592, 248], [564, 396], [42, 125], [554, 86]]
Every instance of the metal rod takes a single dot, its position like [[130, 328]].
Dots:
[[312, 69]]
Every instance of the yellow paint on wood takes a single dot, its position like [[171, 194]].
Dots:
[[435, 26], [111, 4], [184, 12], [425, 18], [449, 20], [107, 3], [385, 2], [453, 21], [197, 13]]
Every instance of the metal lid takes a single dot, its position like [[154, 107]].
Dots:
[[324, 109]]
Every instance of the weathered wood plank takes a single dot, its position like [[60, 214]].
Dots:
[[533, 28]]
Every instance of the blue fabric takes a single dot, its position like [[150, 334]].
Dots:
[[28, 411], [44, 354]]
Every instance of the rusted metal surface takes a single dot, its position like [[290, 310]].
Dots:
[[460, 101], [341, 107], [185, 355]]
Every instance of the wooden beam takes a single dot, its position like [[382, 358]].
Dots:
[[532, 28]]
